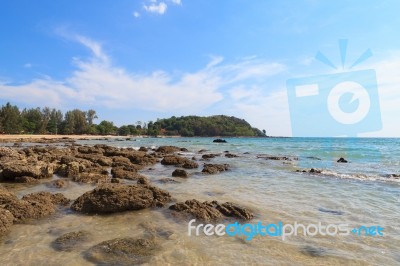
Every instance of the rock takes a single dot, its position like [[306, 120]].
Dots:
[[331, 211], [110, 198], [209, 156], [122, 251], [230, 155], [70, 169], [179, 173], [123, 173], [115, 180], [6, 221], [315, 171], [16, 169], [232, 210], [211, 211], [202, 211], [32, 206], [91, 150], [59, 183], [168, 149], [342, 160], [26, 179], [168, 180], [202, 150], [219, 141], [179, 161], [214, 168], [96, 158], [71, 241], [90, 178], [143, 149]]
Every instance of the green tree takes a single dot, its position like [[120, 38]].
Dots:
[[90, 116], [10, 119], [106, 128]]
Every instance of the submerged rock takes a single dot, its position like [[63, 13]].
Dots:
[[211, 211], [219, 141], [168, 181], [209, 156], [168, 149], [230, 155], [342, 160], [313, 251], [71, 241], [214, 168], [122, 251], [179, 173], [110, 198]]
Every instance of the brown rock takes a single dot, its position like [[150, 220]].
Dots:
[[6, 220], [211, 211], [126, 173], [71, 241], [122, 251], [230, 155], [179, 173], [109, 198], [168, 149], [214, 168], [179, 161]]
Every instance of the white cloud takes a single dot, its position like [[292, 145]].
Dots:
[[28, 65], [159, 8], [177, 2], [136, 14], [96, 81]]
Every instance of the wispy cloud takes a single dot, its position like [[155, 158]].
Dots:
[[159, 8], [96, 81], [176, 2], [136, 14]]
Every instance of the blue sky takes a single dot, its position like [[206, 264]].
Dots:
[[142, 60]]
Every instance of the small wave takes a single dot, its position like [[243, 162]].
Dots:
[[363, 177]]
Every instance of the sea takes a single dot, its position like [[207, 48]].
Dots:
[[271, 177]]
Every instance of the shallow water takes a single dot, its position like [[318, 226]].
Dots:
[[359, 191]]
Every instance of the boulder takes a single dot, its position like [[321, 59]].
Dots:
[[230, 155], [209, 156], [36, 170], [219, 141], [214, 168], [342, 160], [126, 173], [122, 251], [110, 198]]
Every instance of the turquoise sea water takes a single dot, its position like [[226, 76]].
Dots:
[[361, 192]]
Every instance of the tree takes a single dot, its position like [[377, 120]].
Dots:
[[75, 122], [55, 121], [10, 118], [106, 128], [90, 116], [124, 131]]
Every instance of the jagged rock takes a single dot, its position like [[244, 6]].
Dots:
[[143, 149], [90, 178], [210, 211], [26, 179], [31, 206], [179, 173], [6, 221], [122, 251], [109, 198], [71, 241], [16, 169], [59, 183], [126, 173], [214, 168], [179, 161], [168, 149], [209, 156]]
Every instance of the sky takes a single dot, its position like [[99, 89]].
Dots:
[[142, 60]]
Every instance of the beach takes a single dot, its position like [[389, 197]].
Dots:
[[68, 199]]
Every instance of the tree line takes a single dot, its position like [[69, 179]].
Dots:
[[52, 121]]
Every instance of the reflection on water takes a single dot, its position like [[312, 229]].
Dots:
[[272, 189]]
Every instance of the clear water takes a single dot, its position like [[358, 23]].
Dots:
[[360, 190]]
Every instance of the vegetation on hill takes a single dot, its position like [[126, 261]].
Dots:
[[52, 121], [218, 125]]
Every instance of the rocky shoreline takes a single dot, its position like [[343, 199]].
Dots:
[[120, 187]]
